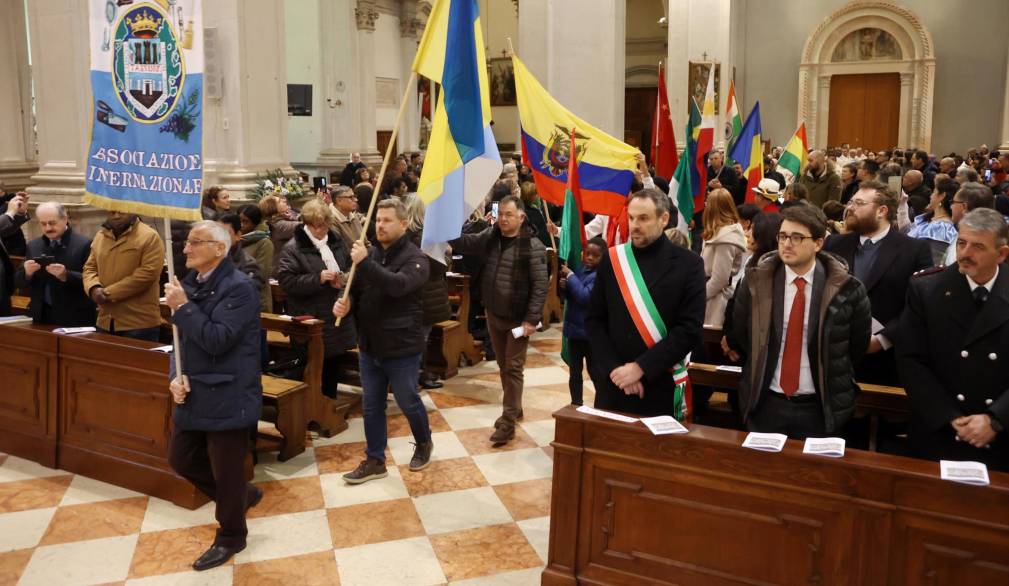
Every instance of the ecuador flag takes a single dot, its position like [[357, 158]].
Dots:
[[462, 159], [605, 165]]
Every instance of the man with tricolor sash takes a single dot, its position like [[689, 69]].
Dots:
[[645, 315]]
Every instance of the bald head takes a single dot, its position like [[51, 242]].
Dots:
[[912, 179], [816, 161], [947, 165]]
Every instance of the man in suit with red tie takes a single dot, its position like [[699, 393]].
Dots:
[[804, 323], [953, 349], [884, 260]]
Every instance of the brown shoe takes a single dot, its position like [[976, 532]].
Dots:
[[368, 469], [502, 435]]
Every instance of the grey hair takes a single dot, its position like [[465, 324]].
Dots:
[[970, 174], [655, 196], [987, 220], [217, 232], [55, 206], [415, 209]]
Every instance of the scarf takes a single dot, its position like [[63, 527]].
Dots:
[[324, 251]]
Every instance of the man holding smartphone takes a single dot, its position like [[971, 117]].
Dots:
[[53, 271]]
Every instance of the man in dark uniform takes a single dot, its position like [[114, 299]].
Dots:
[[637, 361], [953, 348]]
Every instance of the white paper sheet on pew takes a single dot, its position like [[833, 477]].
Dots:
[[765, 442], [967, 472], [166, 349], [728, 368], [79, 330], [663, 424], [614, 416], [824, 446]]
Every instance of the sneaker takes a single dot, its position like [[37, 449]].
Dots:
[[430, 383], [421, 456], [368, 469], [502, 435]]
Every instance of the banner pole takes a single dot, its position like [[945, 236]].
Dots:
[[170, 257], [381, 177]]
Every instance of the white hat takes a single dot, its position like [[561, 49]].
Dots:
[[768, 188]]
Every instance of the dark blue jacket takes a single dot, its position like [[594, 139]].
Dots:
[[219, 335], [577, 292]]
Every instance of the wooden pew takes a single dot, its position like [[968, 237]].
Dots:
[[285, 401], [459, 298], [875, 401], [631, 508]]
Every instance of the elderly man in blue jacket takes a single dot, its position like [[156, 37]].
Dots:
[[219, 394]]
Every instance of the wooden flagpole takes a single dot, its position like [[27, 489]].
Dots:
[[381, 177], [170, 257]]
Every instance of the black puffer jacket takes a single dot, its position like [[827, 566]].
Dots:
[[841, 316], [298, 271], [387, 300], [435, 294], [509, 298]]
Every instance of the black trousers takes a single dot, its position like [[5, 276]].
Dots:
[[798, 418], [579, 351], [214, 461]]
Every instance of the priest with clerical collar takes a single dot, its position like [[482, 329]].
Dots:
[[645, 315], [219, 393]]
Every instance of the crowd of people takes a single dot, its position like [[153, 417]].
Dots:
[[876, 267]]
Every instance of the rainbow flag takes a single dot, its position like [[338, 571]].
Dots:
[[462, 160], [605, 164], [796, 152], [749, 152]]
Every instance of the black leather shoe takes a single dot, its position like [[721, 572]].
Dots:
[[256, 497], [215, 556], [430, 383]]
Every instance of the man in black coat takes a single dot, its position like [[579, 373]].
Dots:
[[720, 175], [387, 300], [639, 373], [10, 223], [884, 260], [953, 350], [219, 393], [52, 271]]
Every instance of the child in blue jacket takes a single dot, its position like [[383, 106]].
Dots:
[[577, 287]]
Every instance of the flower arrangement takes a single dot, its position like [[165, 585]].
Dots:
[[274, 182]]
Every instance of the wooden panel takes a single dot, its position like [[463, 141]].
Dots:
[[882, 110], [847, 110], [639, 116], [115, 415], [28, 394], [700, 509], [864, 110]]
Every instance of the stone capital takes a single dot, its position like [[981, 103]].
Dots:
[[411, 28], [366, 14]]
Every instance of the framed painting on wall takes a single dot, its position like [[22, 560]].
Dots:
[[501, 77], [697, 83]]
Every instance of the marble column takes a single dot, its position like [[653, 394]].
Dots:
[[17, 149], [411, 27], [1005, 110], [366, 13], [60, 74], [342, 112], [586, 77], [905, 123], [245, 130]]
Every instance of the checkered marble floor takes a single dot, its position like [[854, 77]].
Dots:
[[477, 515]]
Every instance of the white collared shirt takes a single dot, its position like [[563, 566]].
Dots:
[[988, 285], [806, 384]]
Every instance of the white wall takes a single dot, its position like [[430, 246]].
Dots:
[[388, 64], [500, 21], [301, 22]]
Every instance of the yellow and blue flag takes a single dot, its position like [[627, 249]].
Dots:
[[605, 165], [462, 159]]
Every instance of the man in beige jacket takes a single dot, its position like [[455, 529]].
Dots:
[[122, 276], [347, 221]]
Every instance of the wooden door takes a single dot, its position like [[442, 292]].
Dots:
[[382, 142], [639, 115], [864, 110]]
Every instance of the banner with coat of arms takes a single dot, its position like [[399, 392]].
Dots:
[[146, 153]]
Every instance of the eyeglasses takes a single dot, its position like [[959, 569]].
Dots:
[[346, 196], [49, 223], [958, 201], [795, 239], [859, 203], [199, 242]]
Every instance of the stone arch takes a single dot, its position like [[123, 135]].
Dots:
[[916, 67], [641, 76]]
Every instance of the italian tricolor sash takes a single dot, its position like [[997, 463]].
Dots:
[[647, 319]]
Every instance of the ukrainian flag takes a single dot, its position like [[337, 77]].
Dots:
[[462, 159], [605, 164]]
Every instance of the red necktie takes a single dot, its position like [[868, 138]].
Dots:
[[792, 357]]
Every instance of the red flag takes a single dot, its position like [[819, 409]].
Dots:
[[705, 140], [664, 155]]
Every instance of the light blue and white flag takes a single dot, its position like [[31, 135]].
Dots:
[[146, 153]]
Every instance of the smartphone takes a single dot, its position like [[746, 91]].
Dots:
[[44, 260], [493, 210], [894, 184], [987, 175]]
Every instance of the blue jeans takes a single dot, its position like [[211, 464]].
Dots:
[[377, 375]]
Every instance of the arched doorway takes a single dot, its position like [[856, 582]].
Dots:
[[870, 37]]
